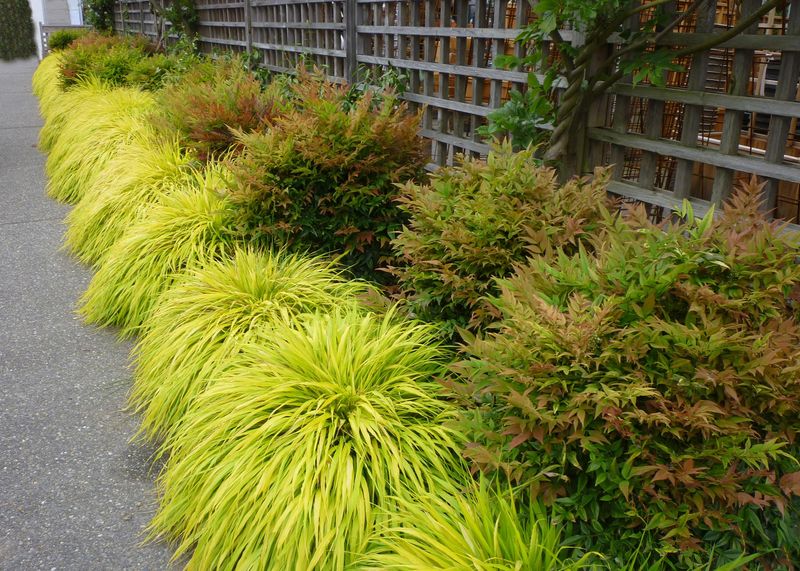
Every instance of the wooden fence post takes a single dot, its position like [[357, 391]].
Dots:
[[248, 29], [350, 40], [732, 121], [779, 126]]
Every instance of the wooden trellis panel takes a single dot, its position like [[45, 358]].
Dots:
[[732, 113], [447, 49], [222, 25], [311, 32], [134, 17]]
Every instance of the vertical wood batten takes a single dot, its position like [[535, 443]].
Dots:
[[732, 122], [786, 90], [690, 128]]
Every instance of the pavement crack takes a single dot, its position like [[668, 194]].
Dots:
[[33, 221]]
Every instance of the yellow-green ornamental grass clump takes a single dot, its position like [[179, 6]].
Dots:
[[190, 226], [481, 530], [294, 455], [46, 84], [91, 135], [201, 321], [137, 177], [59, 106]]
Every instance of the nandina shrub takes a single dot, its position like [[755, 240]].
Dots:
[[62, 39], [474, 222], [323, 178], [213, 102], [107, 58], [651, 393], [302, 448]]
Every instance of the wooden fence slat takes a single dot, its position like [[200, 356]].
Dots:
[[690, 126], [755, 104], [786, 90], [448, 49], [742, 163], [732, 122]]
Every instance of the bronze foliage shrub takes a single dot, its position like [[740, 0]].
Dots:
[[323, 177], [650, 393], [475, 222]]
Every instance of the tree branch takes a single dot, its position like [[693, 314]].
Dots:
[[659, 36], [733, 32]]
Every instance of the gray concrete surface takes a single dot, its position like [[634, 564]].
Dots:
[[74, 492]]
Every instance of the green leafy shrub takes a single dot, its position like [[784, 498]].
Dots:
[[137, 176], [98, 123], [16, 30], [322, 178], [62, 39], [484, 530], [294, 456], [107, 58], [203, 319], [652, 387], [152, 72], [475, 222], [213, 102], [189, 226]]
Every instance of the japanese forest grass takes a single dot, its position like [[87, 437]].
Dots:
[[189, 226], [135, 178], [90, 134], [46, 84], [299, 450], [484, 529], [201, 321]]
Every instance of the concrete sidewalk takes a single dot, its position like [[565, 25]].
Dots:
[[74, 493]]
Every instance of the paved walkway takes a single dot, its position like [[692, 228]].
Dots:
[[74, 493]]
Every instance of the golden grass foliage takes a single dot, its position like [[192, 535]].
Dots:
[[137, 176], [45, 83], [189, 226], [202, 320], [482, 530], [297, 452], [100, 122]]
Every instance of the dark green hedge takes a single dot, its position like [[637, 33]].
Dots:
[[16, 30]]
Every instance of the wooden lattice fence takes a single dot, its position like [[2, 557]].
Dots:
[[732, 113]]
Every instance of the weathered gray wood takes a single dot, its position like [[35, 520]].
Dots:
[[786, 90], [301, 25], [498, 45], [297, 49], [692, 114], [478, 52], [350, 40], [741, 42], [667, 199], [661, 197], [764, 105], [248, 27], [486, 73], [452, 140], [732, 123], [744, 163], [457, 32]]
